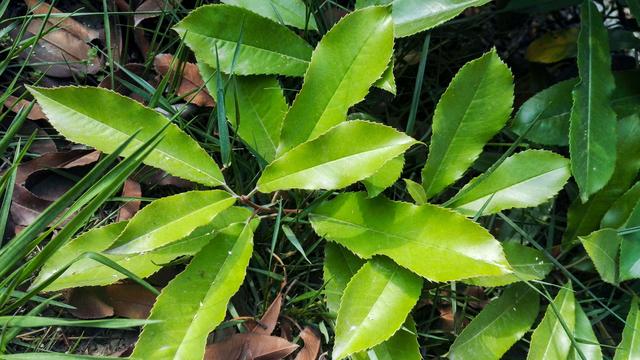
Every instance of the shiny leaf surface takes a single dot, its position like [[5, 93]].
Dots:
[[550, 340], [289, 12]]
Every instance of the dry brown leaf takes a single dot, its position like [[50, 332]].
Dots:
[[131, 188], [250, 346], [311, 347], [67, 23], [89, 303], [268, 322], [130, 300], [144, 11], [12, 103], [189, 84]]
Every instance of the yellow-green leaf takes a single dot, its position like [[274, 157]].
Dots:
[[550, 340], [629, 347], [386, 176], [289, 12], [603, 247]]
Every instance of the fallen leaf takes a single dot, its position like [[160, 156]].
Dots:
[[12, 103], [268, 322], [250, 346], [191, 85], [67, 23], [89, 303], [131, 188], [150, 9], [129, 300], [311, 347]]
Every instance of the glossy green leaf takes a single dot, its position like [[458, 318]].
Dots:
[[550, 340], [265, 46], [403, 345], [551, 108], [426, 239], [339, 267], [526, 179], [413, 16], [288, 12], [170, 219], [527, 264], [388, 81], [104, 119], [349, 152], [87, 272], [603, 247], [255, 107], [588, 340], [619, 212], [375, 303], [630, 247], [498, 326], [475, 106], [629, 347], [416, 191], [593, 122], [195, 302], [386, 176], [340, 74], [583, 218]]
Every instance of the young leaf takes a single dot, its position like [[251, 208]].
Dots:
[[583, 218], [169, 219], [413, 16], [526, 179], [593, 121], [346, 62], [386, 176], [265, 46], [416, 191], [629, 347], [374, 305], [425, 239], [349, 152], [475, 106], [603, 247], [584, 332], [551, 108], [255, 106], [550, 340], [498, 326], [195, 302], [87, 272], [527, 264], [103, 119], [287, 12], [339, 267]]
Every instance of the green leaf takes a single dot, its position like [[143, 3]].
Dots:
[[526, 179], [386, 176], [629, 347], [475, 106], [87, 272], [416, 191], [498, 326], [104, 119], [584, 332], [375, 303], [195, 302], [583, 218], [349, 152], [550, 340], [602, 247], [54, 356], [630, 247], [593, 122], [387, 82], [169, 219], [403, 345], [340, 74], [527, 264], [288, 12], [551, 108], [619, 212], [339, 267], [265, 46], [425, 239], [413, 16], [41, 321]]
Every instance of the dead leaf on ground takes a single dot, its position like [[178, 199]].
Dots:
[[150, 9], [311, 347], [189, 84], [268, 322], [64, 50], [250, 346], [36, 188], [129, 300], [13, 104], [130, 189]]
